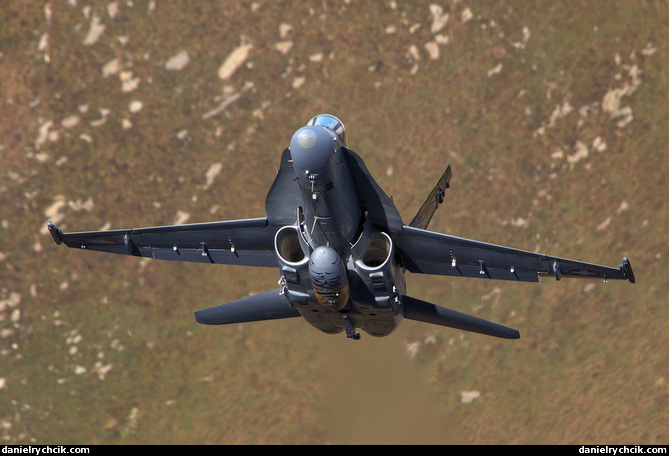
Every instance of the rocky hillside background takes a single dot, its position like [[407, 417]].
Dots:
[[119, 114]]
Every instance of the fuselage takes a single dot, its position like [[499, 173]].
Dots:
[[337, 269]]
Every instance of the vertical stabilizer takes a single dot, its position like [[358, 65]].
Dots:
[[434, 199]]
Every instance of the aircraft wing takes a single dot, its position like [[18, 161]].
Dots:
[[427, 252], [248, 242]]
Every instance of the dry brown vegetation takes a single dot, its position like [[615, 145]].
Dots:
[[120, 114]]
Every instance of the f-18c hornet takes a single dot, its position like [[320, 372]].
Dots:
[[340, 246]]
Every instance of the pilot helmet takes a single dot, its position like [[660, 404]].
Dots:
[[331, 123]]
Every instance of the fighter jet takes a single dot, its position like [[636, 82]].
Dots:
[[340, 246]]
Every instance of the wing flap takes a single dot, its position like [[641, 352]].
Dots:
[[427, 252], [248, 242]]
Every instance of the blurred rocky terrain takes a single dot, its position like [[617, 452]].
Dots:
[[119, 114]]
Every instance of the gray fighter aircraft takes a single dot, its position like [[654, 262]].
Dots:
[[340, 246]]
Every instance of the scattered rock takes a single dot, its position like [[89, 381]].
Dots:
[[649, 50], [135, 106], [70, 121], [522, 43], [211, 174], [128, 82], [598, 144], [132, 419], [439, 18], [78, 205], [432, 49], [414, 53], [612, 100], [178, 62], [519, 222], [112, 67], [442, 39], [466, 15], [284, 30], [43, 133], [298, 82], [560, 112], [558, 154], [227, 101], [54, 212], [94, 32], [623, 207], [467, 397], [412, 349], [495, 295], [496, 70], [11, 302], [112, 9], [625, 115], [284, 47], [604, 225], [102, 369], [580, 152], [181, 217], [234, 60]]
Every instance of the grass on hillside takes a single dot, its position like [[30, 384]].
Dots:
[[98, 349]]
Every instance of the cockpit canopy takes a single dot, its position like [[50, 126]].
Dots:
[[331, 123]]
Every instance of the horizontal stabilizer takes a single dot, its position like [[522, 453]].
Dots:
[[418, 310], [270, 305]]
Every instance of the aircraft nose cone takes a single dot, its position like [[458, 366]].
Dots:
[[311, 149]]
